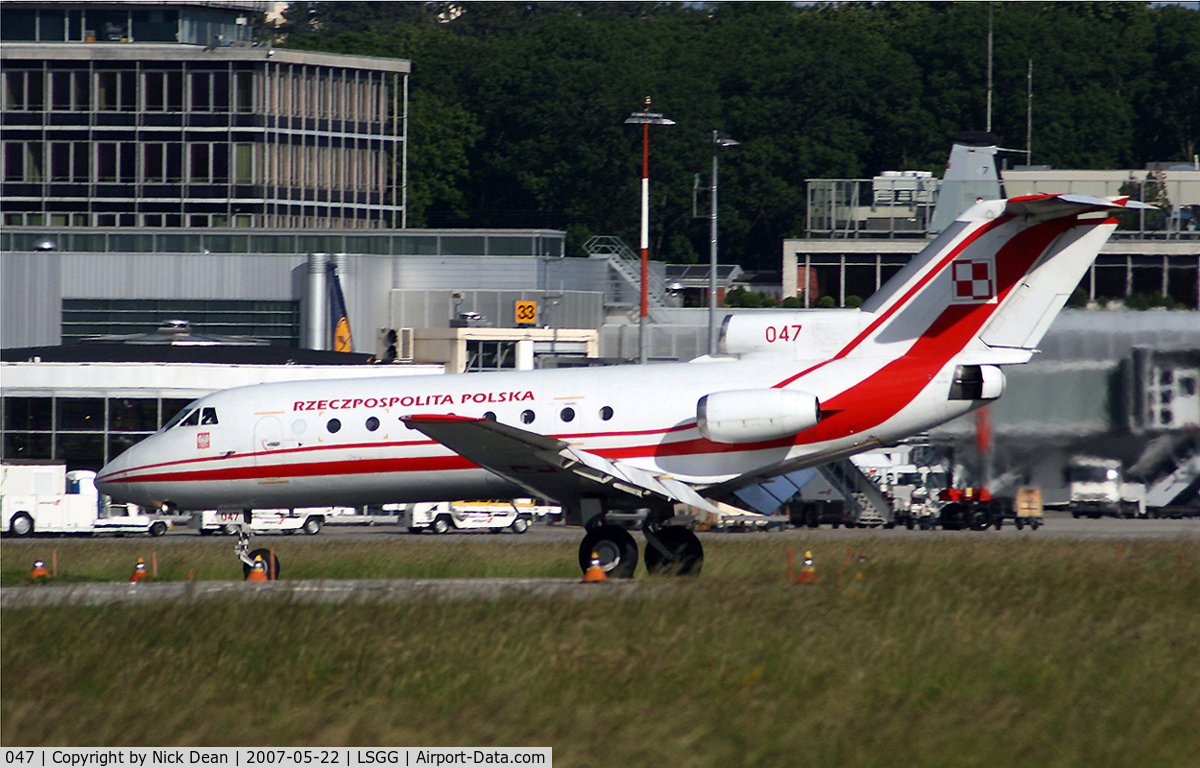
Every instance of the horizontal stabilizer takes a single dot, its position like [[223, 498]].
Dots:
[[1053, 206]]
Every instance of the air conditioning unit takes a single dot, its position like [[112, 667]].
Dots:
[[395, 345]]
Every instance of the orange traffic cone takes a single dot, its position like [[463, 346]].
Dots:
[[595, 571], [39, 570], [139, 571], [258, 572], [808, 573]]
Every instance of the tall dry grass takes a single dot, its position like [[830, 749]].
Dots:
[[950, 652]]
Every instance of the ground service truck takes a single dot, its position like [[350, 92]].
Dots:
[[446, 516], [43, 497]]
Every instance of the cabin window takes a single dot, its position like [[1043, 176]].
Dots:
[[192, 419], [567, 414], [606, 413], [208, 416], [333, 425], [489, 416], [527, 417], [372, 424]]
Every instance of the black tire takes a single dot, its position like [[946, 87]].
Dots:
[[158, 528], [312, 525], [686, 546], [953, 517], [272, 573], [616, 548], [21, 524], [980, 519], [520, 525], [441, 524], [1020, 523], [1034, 523]]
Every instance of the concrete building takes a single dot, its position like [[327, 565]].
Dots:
[[169, 115]]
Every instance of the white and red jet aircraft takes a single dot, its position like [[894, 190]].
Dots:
[[792, 389]]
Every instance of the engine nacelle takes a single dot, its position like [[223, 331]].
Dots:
[[752, 415], [977, 382]]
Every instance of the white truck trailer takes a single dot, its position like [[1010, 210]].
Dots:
[[43, 497], [446, 516], [310, 520]]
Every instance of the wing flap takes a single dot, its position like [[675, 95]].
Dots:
[[549, 467]]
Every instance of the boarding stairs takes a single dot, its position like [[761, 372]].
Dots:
[[870, 506], [1171, 467], [626, 265]]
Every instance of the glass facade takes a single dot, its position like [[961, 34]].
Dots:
[[84, 432], [275, 321], [102, 130]]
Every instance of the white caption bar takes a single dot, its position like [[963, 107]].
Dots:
[[263, 757]]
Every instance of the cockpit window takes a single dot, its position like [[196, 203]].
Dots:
[[192, 419], [179, 417], [208, 416]]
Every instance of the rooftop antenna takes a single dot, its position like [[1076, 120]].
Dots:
[[1029, 114], [989, 69]]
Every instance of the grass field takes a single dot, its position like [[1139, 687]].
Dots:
[[946, 652]]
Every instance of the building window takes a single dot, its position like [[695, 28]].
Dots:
[[201, 91], [24, 90], [199, 163], [491, 355], [277, 322], [244, 91], [86, 433]]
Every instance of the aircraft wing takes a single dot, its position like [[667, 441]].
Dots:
[[549, 467]]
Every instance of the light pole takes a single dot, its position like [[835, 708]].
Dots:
[[645, 118], [718, 140]]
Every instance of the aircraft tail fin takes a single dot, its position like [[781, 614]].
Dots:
[[993, 281]]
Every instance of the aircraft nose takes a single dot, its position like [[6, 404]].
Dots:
[[115, 479]]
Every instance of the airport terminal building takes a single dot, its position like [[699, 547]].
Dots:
[[159, 164]]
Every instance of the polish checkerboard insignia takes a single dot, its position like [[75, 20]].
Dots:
[[974, 280]]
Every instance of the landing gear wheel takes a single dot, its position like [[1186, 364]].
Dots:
[[683, 544], [616, 549], [272, 573]]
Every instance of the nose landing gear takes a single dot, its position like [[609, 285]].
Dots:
[[244, 553]]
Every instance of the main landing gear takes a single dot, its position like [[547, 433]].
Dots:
[[670, 549]]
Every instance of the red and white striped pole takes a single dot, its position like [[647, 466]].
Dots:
[[645, 118]]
